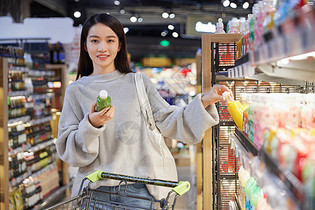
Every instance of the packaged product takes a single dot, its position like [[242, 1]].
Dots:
[[18, 199], [12, 205], [235, 108], [103, 101]]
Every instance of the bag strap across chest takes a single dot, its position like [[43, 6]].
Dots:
[[144, 101]]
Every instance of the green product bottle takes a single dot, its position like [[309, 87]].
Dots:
[[256, 194], [103, 101]]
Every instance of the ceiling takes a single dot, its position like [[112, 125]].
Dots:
[[150, 11]]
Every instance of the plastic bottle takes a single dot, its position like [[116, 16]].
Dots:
[[233, 27], [270, 9], [243, 177], [103, 101], [220, 27], [250, 184], [243, 25], [252, 27], [235, 108], [259, 19]]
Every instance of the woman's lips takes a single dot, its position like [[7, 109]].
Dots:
[[102, 57]]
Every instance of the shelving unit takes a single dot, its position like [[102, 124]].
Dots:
[[4, 135], [60, 76], [26, 130], [210, 147], [287, 55], [289, 180], [287, 58]]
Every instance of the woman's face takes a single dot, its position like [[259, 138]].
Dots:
[[102, 45]]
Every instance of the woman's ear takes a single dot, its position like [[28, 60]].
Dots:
[[85, 47], [119, 47]]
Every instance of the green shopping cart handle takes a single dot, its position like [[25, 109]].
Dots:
[[179, 187]]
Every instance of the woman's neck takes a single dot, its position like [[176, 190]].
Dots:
[[102, 71]]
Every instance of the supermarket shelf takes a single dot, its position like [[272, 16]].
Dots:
[[264, 77], [229, 176], [227, 123], [292, 73], [288, 179], [56, 197], [238, 203], [41, 120], [23, 119], [285, 55], [43, 145], [246, 142]]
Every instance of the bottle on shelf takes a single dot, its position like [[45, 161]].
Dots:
[[52, 54], [233, 29], [235, 108], [220, 27]]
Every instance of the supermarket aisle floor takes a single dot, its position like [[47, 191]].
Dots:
[[188, 200]]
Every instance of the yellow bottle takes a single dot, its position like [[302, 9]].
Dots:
[[236, 109]]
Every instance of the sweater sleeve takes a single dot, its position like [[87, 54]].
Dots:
[[78, 140], [188, 123]]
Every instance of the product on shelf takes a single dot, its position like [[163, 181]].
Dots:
[[235, 108], [220, 27], [31, 149]]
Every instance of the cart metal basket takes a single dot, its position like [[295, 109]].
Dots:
[[85, 199]]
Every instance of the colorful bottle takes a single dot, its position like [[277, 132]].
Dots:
[[220, 27], [235, 108], [103, 101]]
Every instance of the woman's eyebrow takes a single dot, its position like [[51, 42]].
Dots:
[[95, 36]]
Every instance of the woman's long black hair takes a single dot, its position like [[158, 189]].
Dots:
[[85, 65]]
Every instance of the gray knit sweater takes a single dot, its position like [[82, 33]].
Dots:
[[120, 146]]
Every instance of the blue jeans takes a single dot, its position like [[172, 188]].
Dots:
[[123, 200]]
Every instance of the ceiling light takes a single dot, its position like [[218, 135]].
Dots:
[[226, 3], [140, 19], [77, 14], [175, 34], [170, 27], [133, 19], [205, 27], [164, 33], [165, 15], [117, 3], [122, 11], [172, 15], [126, 29], [233, 5], [245, 5]]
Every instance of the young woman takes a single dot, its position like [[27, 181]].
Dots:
[[115, 139]]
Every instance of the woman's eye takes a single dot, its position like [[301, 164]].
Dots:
[[94, 41], [110, 40]]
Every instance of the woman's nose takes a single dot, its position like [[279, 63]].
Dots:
[[102, 46]]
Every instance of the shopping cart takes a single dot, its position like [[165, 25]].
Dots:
[[85, 199]]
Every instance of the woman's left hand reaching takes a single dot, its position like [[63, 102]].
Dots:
[[214, 95]]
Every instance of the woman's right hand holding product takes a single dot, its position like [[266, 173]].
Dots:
[[98, 119]]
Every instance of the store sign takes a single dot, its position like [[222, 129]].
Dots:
[[196, 25]]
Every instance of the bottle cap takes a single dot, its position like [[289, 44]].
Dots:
[[220, 23], [103, 94], [227, 96]]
